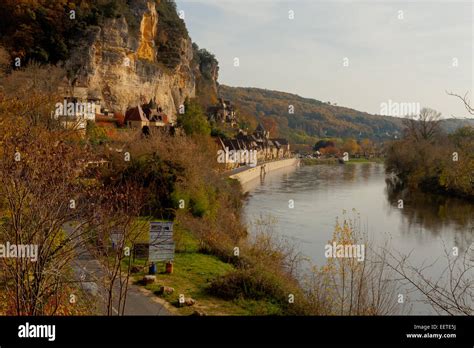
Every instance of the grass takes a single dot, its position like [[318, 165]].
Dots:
[[192, 275], [316, 161], [365, 160]]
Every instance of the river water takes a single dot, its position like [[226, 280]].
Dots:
[[423, 228]]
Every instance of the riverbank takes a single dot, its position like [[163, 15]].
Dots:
[[252, 173], [196, 274]]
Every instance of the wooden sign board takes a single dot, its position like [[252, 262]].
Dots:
[[140, 250], [116, 237], [161, 252], [162, 246], [161, 232]]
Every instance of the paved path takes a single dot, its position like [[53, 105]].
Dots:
[[91, 273]]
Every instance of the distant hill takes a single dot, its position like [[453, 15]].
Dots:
[[311, 117], [315, 119], [450, 125]]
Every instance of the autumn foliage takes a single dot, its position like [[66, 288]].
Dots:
[[429, 159]]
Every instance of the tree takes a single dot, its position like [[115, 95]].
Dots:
[[466, 101], [330, 150], [5, 61], [425, 126], [367, 147], [350, 285], [32, 92], [116, 229], [40, 191], [194, 121], [350, 145], [270, 124], [96, 135], [43, 188], [322, 144], [451, 293]]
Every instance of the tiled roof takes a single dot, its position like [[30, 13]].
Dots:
[[135, 114], [282, 141]]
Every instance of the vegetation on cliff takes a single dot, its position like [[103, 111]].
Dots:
[[45, 31], [194, 120], [171, 32], [206, 81]]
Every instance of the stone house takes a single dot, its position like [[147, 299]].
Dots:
[[266, 149], [146, 115], [223, 112]]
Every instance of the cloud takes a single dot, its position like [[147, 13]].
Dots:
[[390, 58]]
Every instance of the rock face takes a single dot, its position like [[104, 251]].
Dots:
[[166, 290], [206, 72], [119, 62]]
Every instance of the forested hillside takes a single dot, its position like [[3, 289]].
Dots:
[[311, 118]]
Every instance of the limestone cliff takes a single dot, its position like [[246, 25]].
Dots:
[[127, 60], [206, 72]]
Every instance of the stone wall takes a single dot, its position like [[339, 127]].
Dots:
[[255, 172]]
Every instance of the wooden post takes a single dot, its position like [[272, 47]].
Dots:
[[169, 267]]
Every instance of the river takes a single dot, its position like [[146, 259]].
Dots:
[[423, 228]]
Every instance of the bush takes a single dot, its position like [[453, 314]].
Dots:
[[194, 121], [96, 135], [42, 31], [171, 29], [251, 283], [199, 203]]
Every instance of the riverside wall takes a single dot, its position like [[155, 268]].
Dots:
[[256, 172]]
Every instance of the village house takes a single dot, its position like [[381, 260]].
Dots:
[[259, 141], [223, 112], [146, 115], [79, 105]]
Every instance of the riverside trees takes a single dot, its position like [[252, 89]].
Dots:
[[431, 160]]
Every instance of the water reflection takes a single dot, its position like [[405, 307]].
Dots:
[[366, 170], [435, 213], [349, 172], [321, 193]]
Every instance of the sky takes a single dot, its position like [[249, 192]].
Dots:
[[358, 54]]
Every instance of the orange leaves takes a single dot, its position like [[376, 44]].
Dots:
[[350, 145]]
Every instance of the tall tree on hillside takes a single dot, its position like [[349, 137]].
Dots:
[[270, 124], [367, 147]]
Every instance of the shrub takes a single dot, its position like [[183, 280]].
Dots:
[[96, 135], [194, 121], [248, 283], [199, 202]]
